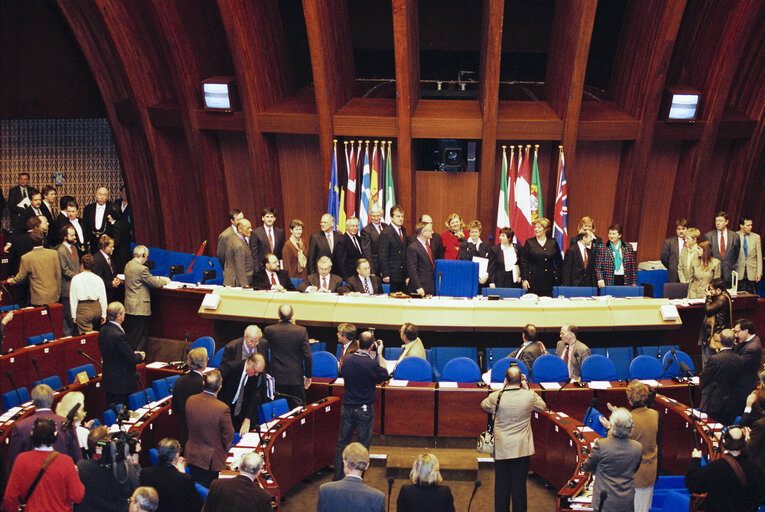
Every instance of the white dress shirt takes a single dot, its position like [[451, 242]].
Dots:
[[87, 286]]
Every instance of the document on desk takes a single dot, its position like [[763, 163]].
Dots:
[[651, 382], [599, 384], [444, 385], [398, 383], [550, 385], [249, 439]]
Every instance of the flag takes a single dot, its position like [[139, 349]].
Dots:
[[536, 189], [560, 220], [390, 194], [524, 229], [350, 196], [382, 177], [364, 206], [503, 216], [374, 181], [511, 174], [333, 198], [341, 215]]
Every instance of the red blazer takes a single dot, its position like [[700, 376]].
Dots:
[[452, 244]]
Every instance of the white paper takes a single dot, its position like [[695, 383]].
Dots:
[[497, 385], [398, 383], [237, 452], [695, 380], [483, 265], [651, 382], [444, 385], [390, 365], [249, 439], [550, 385], [486, 377], [599, 384], [156, 365], [339, 381], [24, 203]]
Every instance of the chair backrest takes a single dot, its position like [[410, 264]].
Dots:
[[622, 357], [414, 369], [41, 338], [71, 373], [393, 353], [599, 350], [455, 278], [153, 456], [171, 380], [9, 307], [207, 342], [592, 420], [136, 400], [443, 355], [296, 281], [504, 292], [645, 367], [461, 369], [674, 369], [217, 358], [202, 490], [320, 346], [622, 291], [110, 418], [11, 398], [597, 367], [549, 368], [663, 349], [271, 410], [648, 350], [501, 366], [324, 365], [675, 290], [675, 501], [574, 291], [496, 354], [161, 388], [54, 382]]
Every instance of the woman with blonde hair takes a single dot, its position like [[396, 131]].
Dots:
[[704, 268], [453, 237], [689, 251], [541, 261], [66, 404], [425, 495]]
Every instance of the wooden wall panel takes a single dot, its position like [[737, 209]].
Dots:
[[442, 193], [303, 188], [238, 185]]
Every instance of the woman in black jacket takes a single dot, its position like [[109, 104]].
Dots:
[[425, 495]]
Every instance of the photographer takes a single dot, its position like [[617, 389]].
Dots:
[[111, 474], [362, 371]]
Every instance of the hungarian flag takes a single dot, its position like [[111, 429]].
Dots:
[[536, 189], [560, 221], [511, 175], [364, 206], [390, 194], [350, 197], [333, 198], [382, 178], [524, 229], [503, 214]]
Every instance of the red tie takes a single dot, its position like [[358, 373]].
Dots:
[[585, 259], [722, 244], [74, 257], [324, 284], [430, 254], [401, 236], [273, 279], [271, 240], [565, 355]]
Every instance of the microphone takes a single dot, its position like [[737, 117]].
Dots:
[[685, 370], [67, 425], [603, 496], [300, 401], [9, 374], [677, 360], [475, 489], [390, 488], [86, 356], [440, 277], [566, 383], [593, 405], [37, 369], [666, 366]]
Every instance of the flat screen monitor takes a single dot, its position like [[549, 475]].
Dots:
[[220, 94], [683, 107]]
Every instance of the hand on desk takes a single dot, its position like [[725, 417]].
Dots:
[[245, 427], [696, 453], [306, 382]]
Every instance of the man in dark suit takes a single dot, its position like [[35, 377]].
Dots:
[[241, 493], [370, 235], [323, 243], [363, 281], [49, 203], [323, 280], [69, 260], [727, 251], [119, 229], [718, 381], [436, 244], [579, 263], [572, 351], [420, 265], [42, 398], [349, 249], [240, 266], [391, 250], [291, 362], [530, 349], [670, 250], [94, 217], [351, 493], [270, 277], [35, 206], [16, 195], [244, 390], [102, 266], [242, 348], [118, 373], [175, 488], [267, 239], [68, 217], [187, 385], [210, 431], [749, 348]]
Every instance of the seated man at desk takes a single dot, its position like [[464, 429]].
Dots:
[[363, 282], [572, 351], [323, 280], [269, 277], [531, 348]]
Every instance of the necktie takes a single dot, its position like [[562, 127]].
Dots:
[[746, 246], [24, 192], [430, 255], [329, 241], [37, 211], [239, 399], [366, 286], [74, 257], [400, 235], [565, 355], [273, 279], [356, 243], [271, 240], [586, 259], [324, 284], [722, 244], [377, 228]]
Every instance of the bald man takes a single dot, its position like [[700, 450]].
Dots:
[[239, 263], [323, 243], [94, 217]]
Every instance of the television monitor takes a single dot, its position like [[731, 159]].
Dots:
[[220, 94], [680, 105]]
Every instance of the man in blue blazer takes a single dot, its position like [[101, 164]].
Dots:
[[351, 493]]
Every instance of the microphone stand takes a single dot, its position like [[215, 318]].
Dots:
[[301, 402], [688, 375], [86, 356], [555, 395], [593, 405], [37, 370], [9, 374], [476, 485]]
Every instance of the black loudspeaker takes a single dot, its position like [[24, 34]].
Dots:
[[176, 269]]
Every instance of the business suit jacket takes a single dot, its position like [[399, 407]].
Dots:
[[749, 266], [260, 246], [369, 238], [419, 268], [732, 249], [425, 498], [685, 264], [210, 432], [468, 251], [392, 255], [722, 486], [119, 360], [260, 280], [105, 271], [43, 270], [82, 242], [513, 438], [70, 267], [233, 351], [48, 213], [318, 246], [614, 462], [349, 495], [645, 430], [239, 263], [254, 392], [670, 257], [21, 440], [573, 271], [436, 244], [528, 354], [755, 448], [751, 356], [238, 493], [120, 232], [540, 265], [28, 214], [93, 232], [354, 284], [223, 243], [348, 255], [290, 353], [497, 268], [21, 243], [335, 283], [701, 277], [578, 353], [138, 280], [187, 385], [718, 384], [14, 198], [176, 490], [605, 267]]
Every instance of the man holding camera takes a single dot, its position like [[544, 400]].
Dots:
[[362, 371]]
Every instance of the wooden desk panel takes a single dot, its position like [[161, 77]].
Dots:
[[410, 409], [459, 411]]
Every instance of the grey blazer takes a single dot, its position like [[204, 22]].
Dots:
[[70, 267], [349, 495], [752, 262], [614, 462], [581, 352], [239, 265], [138, 280], [512, 426]]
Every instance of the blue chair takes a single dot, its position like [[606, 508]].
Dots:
[[622, 291], [9, 307], [110, 418], [675, 501], [324, 365], [205, 342], [53, 381], [674, 290], [271, 410], [575, 291], [601, 351], [319, 347], [41, 338], [160, 261], [217, 358], [171, 380], [201, 264], [153, 456], [161, 388], [458, 278], [202, 490], [504, 292], [461, 369], [597, 367], [386, 288], [648, 350], [11, 399], [71, 373], [501, 366], [296, 281], [414, 369], [663, 349], [622, 357], [442, 355], [549, 368], [393, 353], [496, 354], [592, 420], [645, 367], [674, 368], [140, 398]]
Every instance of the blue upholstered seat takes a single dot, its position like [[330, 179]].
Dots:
[[414, 369], [324, 365], [461, 369], [501, 366], [549, 368], [597, 367], [645, 367]]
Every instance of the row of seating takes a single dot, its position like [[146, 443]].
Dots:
[[18, 396]]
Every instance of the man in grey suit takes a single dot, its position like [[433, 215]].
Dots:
[[727, 251], [670, 250], [138, 280], [234, 216], [749, 264], [369, 235], [69, 259], [572, 351], [351, 494], [240, 265]]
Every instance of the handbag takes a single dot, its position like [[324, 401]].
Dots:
[[23, 503], [485, 442]]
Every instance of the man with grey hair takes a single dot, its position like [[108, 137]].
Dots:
[[188, 385], [144, 499], [240, 264], [351, 493], [42, 398], [323, 243], [323, 280], [242, 348], [369, 235], [718, 381], [175, 488], [241, 493], [572, 351], [118, 374], [614, 460], [138, 281]]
